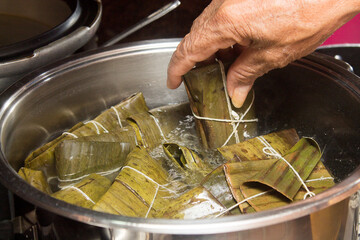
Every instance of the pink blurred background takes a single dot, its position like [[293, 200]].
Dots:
[[349, 33]]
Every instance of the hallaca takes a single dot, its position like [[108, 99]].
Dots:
[[218, 122], [43, 158]]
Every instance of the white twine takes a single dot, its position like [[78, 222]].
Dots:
[[320, 179], [242, 118], [232, 113], [269, 150], [241, 202], [158, 125], [117, 115], [152, 202], [70, 134], [151, 180], [96, 124], [81, 192], [263, 193]]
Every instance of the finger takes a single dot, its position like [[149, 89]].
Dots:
[[206, 37], [179, 65], [251, 64]]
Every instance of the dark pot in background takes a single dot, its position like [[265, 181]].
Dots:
[[38, 32]]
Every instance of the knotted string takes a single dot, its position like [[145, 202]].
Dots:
[[269, 150], [153, 181], [234, 117]]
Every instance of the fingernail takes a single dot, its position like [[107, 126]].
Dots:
[[238, 97]]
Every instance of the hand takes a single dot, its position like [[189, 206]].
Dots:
[[270, 33]]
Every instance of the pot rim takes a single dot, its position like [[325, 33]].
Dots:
[[340, 45], [14, 183]]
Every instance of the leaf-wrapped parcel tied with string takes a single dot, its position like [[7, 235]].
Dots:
[[43, 158], [183, 161], [218, 122]]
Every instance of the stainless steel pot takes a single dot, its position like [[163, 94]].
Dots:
[[71, 26], [314, 95]]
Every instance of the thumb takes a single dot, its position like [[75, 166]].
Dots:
[[251, 64]]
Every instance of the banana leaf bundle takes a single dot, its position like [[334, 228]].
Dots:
[[43, 157], [216, 182], [35, 178], [272, 181], [85, 193], [141, 189], [206, 89], [118, 134], [76, 158], [194, 204]]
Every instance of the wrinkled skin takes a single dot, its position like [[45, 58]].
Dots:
[[263, 34]]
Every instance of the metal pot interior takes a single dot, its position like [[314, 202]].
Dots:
[[318, 98]]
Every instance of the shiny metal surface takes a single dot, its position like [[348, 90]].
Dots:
[[349, 53], [314, 95], [14, 69]]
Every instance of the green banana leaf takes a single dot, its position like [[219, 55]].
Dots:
[[141, 189], [35, 178], [147, 128], [218, 183], [121, 135], [185, 158], [194, 204], [48, 145], [238, 175], [85, 193], [153, 127], [303, 157], [318, 181], [238, 172], [252, 149], [76, 159], [215, 183], [44, 158], [207, 98]]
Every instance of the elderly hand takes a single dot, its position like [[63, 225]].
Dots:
[[267, 34]]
